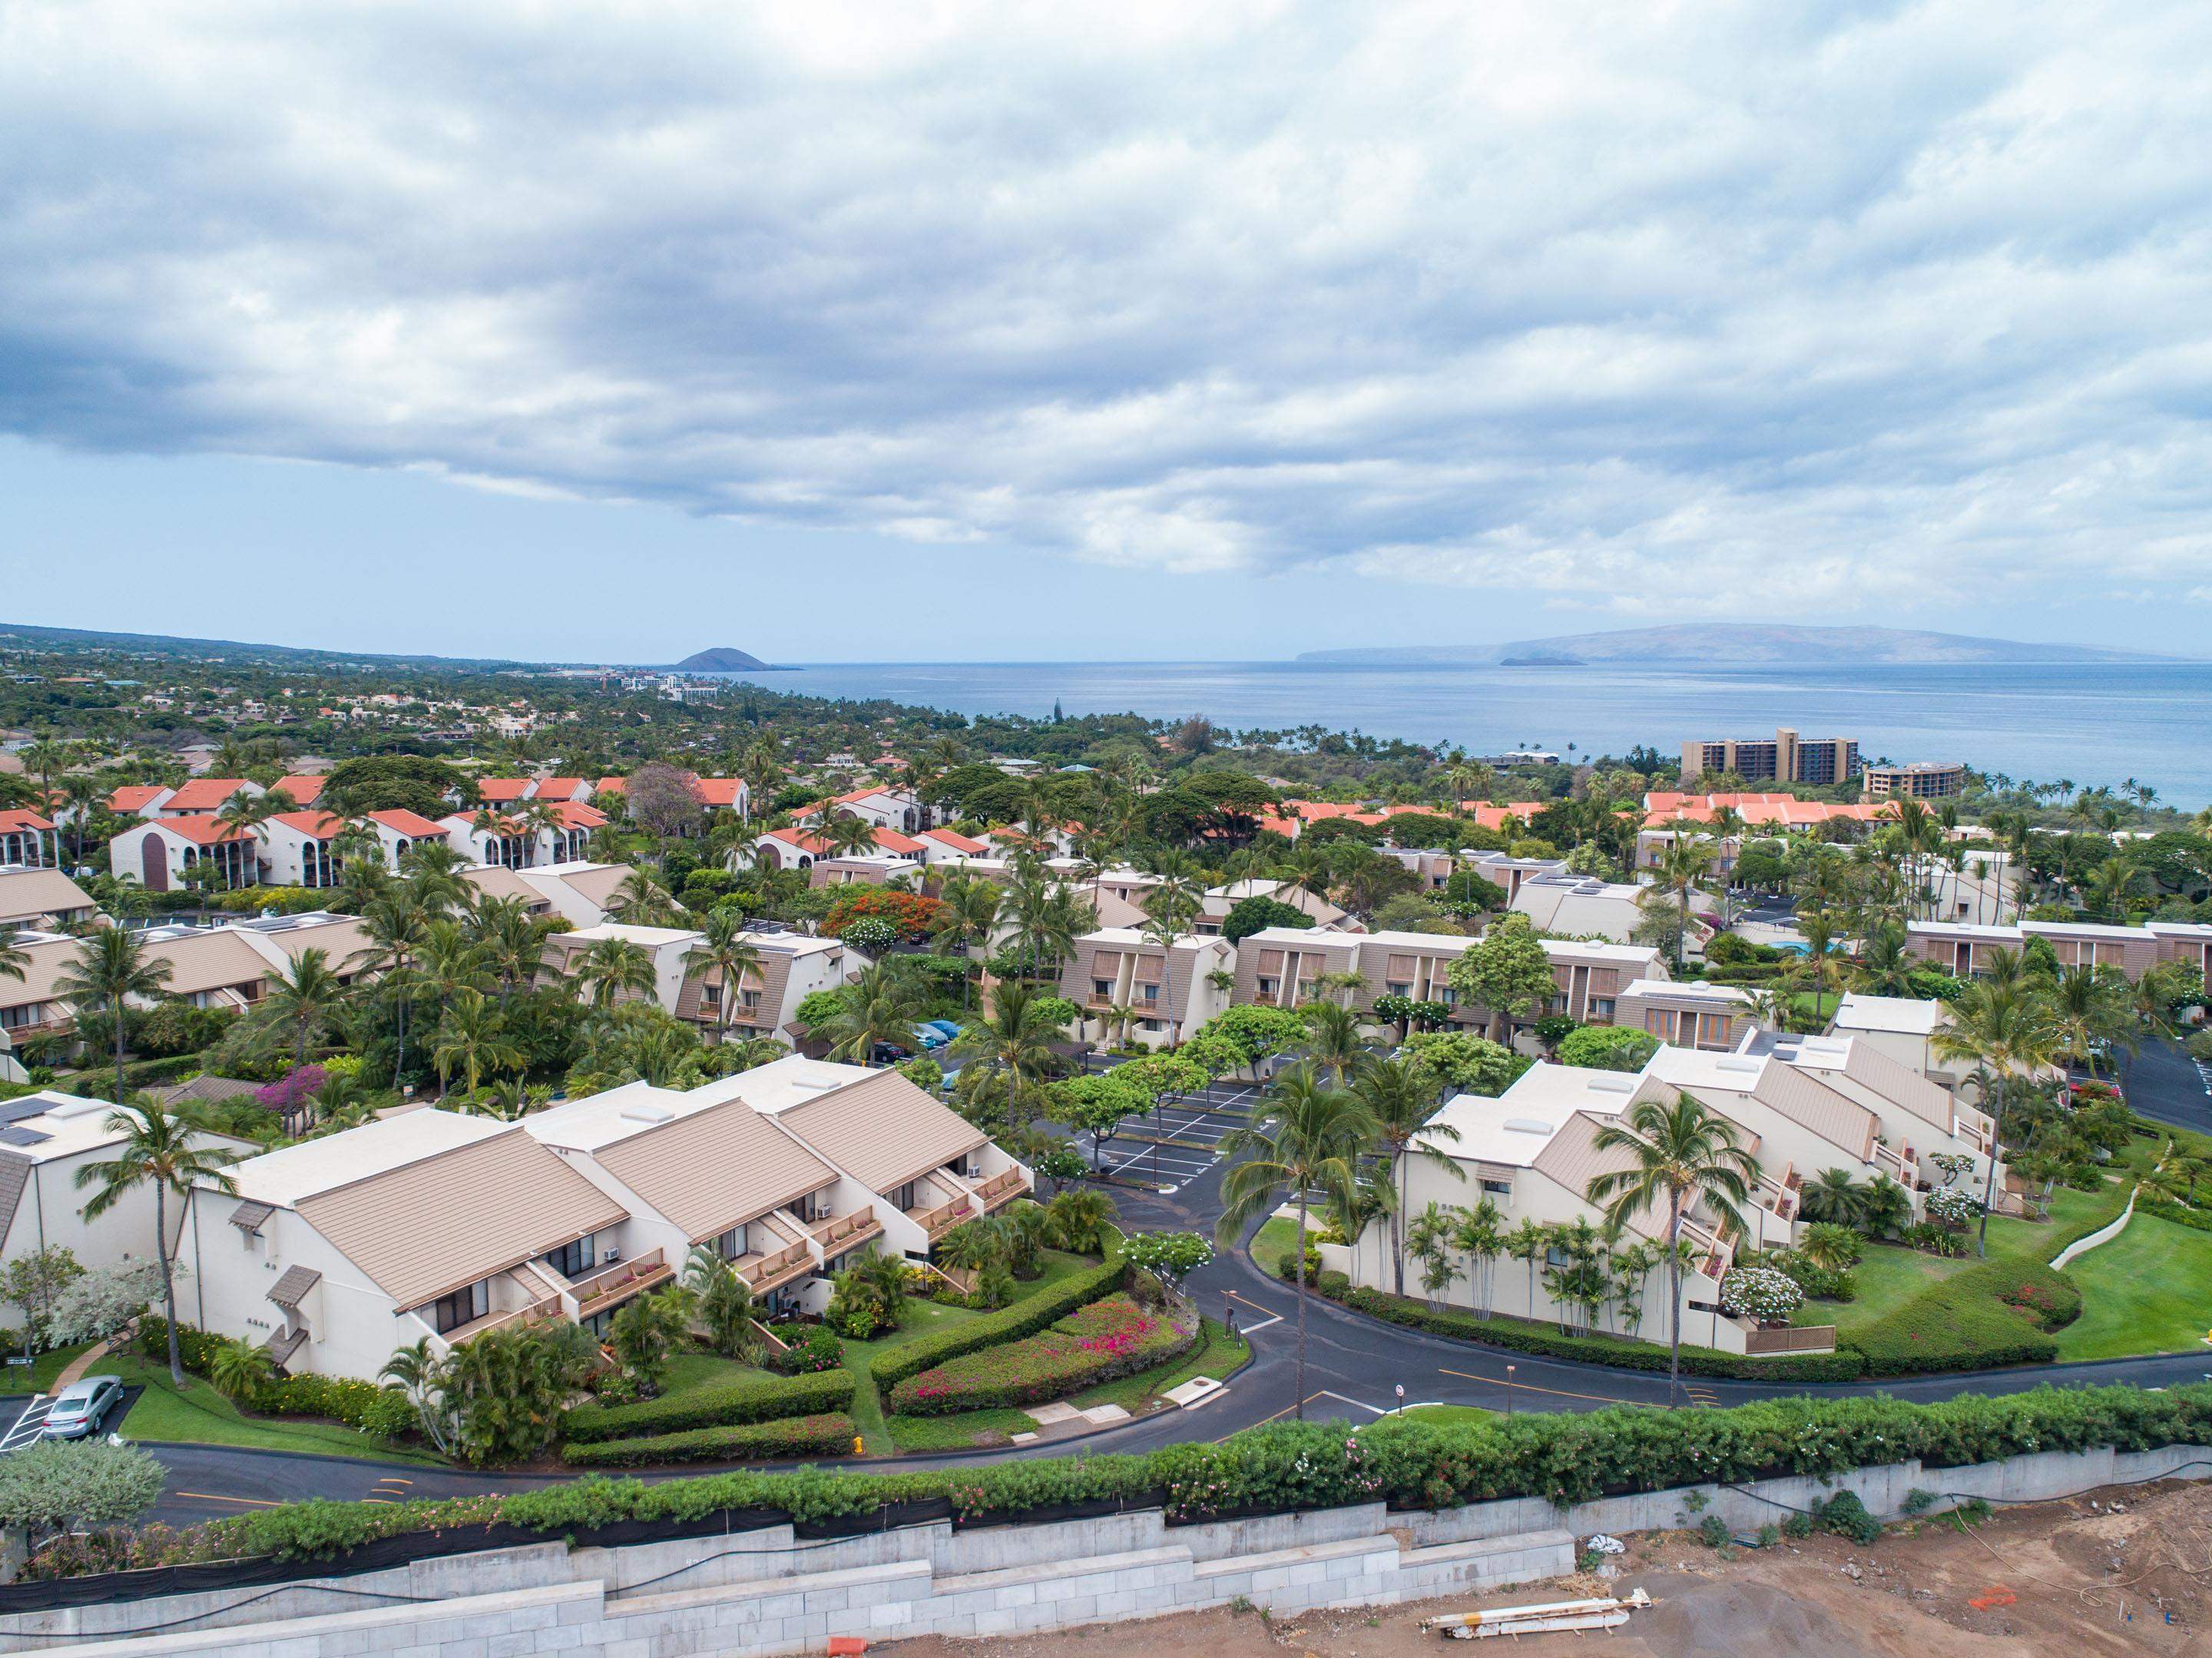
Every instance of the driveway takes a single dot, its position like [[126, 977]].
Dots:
[[2165, 1085]]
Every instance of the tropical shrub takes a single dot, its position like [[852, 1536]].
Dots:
[[1949, 1206], [810, 1349], [1025, 1318], [1608, 1046], [731, 1404], [1107, 1339], [782, 1440], [1761, 1292]]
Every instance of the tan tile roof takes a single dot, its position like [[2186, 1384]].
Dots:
[[40, 891], [714, 1168], [881, 1130], [427, 1228], [210, 961], [493, 881], [46, 965], [1573, 1160]]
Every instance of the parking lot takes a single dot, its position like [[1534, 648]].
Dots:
[[1178, 1142], [26, 1417]]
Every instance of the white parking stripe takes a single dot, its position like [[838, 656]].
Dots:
[[27, 1427]]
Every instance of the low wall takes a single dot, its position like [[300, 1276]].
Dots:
[[765, 1591]]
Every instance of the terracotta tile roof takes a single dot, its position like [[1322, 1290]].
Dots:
[[502, 791], [407, 822], [203, 794], [881, 1130], [574, 814], [135, 797], [303, 787], [203, 830], [558, 788], [431, 1226], [717, 791], [714, 1168], [957, 842], [316, 825], [612, 785], [892, 840]]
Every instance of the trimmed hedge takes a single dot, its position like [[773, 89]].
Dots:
[[778, 1441], [357, 1404], [1286, 1467], [1103, 1342], [1521, 1337], [1986, 1318], [726, 1405], [1024, 1318], [2165, 1209]]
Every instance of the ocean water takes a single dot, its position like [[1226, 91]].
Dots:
[[2090, 723]]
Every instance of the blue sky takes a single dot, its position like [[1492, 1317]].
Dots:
[[1139, 330]]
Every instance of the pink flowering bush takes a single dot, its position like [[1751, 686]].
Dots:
[[285, 1097], [1105, 1340]]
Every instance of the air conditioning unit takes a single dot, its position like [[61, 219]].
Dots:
[[610, 1257]]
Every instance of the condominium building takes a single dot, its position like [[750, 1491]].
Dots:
[[1166, 991], [1923, 779], [1785, 758], [1963, 950]]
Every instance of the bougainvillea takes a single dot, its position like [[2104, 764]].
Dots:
[[1109, 1339]]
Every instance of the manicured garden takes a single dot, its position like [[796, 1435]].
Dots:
[[2147, 1290]]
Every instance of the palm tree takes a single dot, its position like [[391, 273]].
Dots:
[[81, 791], [1478, 1233], [608, 966], [1400, 1100], [726, 950], [969, 920], [470, 1035], [1077, 1220], [843, 835], [1886, 963], [238, 1367], [1682, 863], [510, 942], [1333, 1038], [1306, 1139], [1526, 1243], [640, 901], [1013, 1037], [165, 1150], [307, 997], [1680, 1155], [13, 960], [724, 1303], [877, 1007], [112, 968], [2005, 1027], [244, 814], [397, 925], [1833, 1197]]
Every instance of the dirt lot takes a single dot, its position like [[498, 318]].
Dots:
[[2072, 1580]]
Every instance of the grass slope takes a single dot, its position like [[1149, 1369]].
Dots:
[[2150, 1290], [201, 1416]]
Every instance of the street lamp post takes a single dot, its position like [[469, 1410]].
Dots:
[[1508, 1392]]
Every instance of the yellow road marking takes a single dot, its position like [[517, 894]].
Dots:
[[251, 1501], [1561, 1393]]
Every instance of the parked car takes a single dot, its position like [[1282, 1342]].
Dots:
[[81, 1407]]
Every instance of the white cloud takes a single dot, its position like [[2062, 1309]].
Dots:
[[1855, 307]]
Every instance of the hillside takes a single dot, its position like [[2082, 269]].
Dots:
[[722, 658], [1749, 643]]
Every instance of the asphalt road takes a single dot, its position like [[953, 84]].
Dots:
[[2164, 1083], [1353, 1367]]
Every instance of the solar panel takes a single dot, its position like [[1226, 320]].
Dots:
[[12, 1135], [15, 1111]]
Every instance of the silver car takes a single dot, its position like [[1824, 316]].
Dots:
[[81, 1407]]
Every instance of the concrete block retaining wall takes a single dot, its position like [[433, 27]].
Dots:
[[765, 1591]]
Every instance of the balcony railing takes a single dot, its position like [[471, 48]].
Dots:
[[1001, 1186], [833, 1236], [1779, 1197], [601, 1290], [941, 1219], [1811, 1338], [763, 1273], [1097, 1003], [537, 1312]]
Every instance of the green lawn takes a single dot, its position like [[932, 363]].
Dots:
[[2150, 1290], [1449, 1413], [201, 1416], [691, 1371], [967, 1430], [38, 1377], [1276, 1238]]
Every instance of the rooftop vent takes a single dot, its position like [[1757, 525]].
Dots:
[[1527, 1126], [1734, 1063], [1613, 1083], [646, 1111]]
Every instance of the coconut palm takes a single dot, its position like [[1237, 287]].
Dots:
[[471, 1038], [1305, 1139], [877, 1007], [306, 998], [968, 920], [1332, 1040], [1682, 863], [113, 968], [13, 960], [1014, 1037], [510, 942], [82, 794], [726, 950], [1680, 1155], [2005, 1027], [608, 967], [640, 901], [723, 1302], [1402, 1100], [397, 925], [169, 1151]]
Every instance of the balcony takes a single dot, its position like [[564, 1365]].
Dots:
[[1779, 1197], [537, 1312], [1096, 1003], [596, 1291], [937, 1222], [763, 1273], [1000, 1189], [834, 1237]]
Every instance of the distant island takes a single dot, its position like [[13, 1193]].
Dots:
[[1750, 644], [722, 658]]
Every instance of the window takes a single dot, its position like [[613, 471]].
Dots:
[[1150, 1025], [1268, 986], [571, 1259], [464, 1306], [1498, 1188], [1397, 988], [730, 1244], [1556, 1256], [710, 998], [1101, 988], [1600, 1010]]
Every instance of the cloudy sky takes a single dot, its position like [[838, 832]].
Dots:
[[1129, 330]]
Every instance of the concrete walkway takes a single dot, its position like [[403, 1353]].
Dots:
[[75, 1370]]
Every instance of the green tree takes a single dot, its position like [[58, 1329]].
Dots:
[[1505, 971], [724, 1304], [727, 950], [1305, 1139], [238, 1367], [1679, 1155], [306, 998], [2003, 1025], [471, 1038], [1400, 1098], [644, 1334], [113, 968], [608, 966], [167, 1151]]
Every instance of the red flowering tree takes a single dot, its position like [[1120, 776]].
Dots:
[[911, 913]]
